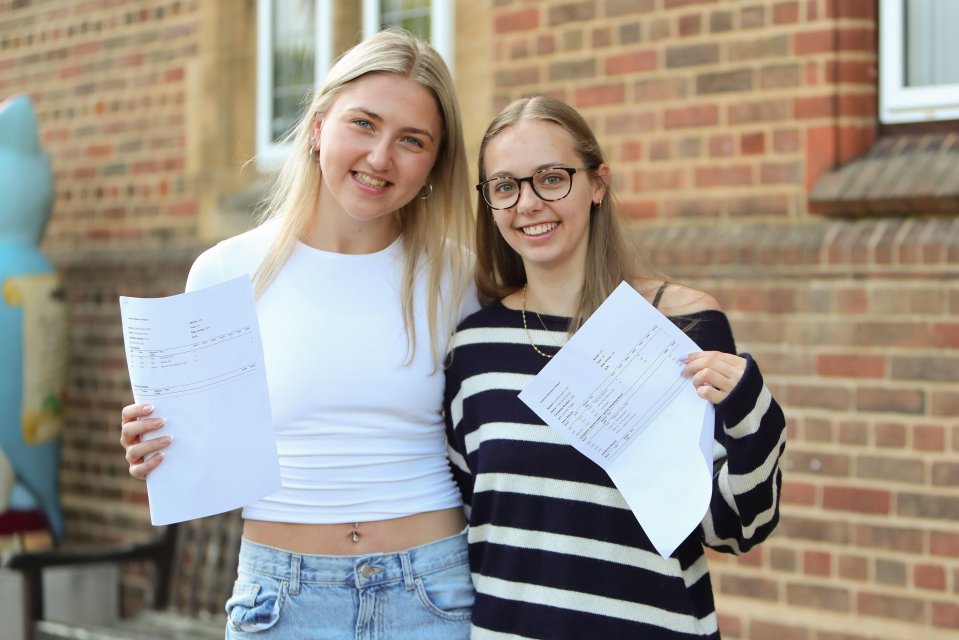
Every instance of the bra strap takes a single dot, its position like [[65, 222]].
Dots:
[[659, 294]]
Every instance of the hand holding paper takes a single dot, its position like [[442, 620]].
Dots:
[[616, 392]]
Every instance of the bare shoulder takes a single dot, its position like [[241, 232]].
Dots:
[[676, 299]]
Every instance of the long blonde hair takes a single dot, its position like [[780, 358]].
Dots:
[[499, 269], [436, 231]]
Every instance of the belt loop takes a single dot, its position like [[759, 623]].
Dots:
[[408, 580], [295, 560]]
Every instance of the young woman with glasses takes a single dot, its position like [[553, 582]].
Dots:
[[360, 273], [555, 551]]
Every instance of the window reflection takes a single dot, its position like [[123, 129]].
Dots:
[[412, 15], [294, 60]]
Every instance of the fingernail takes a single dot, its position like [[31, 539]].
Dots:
[[148, 408]]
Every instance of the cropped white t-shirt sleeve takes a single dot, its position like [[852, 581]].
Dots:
[[206, 270], [236, 256]]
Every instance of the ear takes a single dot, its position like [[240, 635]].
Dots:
[[315, 133], [600, 180]]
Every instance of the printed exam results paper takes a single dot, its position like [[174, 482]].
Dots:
[[198, 359], [616, 393]]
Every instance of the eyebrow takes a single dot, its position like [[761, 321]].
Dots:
[[375, 116], [540, 167]]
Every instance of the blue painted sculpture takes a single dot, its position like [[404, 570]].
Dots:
[[32, 327]]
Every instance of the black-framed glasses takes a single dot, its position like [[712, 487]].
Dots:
[[553, 183]]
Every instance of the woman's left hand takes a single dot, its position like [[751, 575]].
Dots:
[[715, 374]]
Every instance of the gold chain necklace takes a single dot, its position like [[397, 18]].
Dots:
[[529, 336]]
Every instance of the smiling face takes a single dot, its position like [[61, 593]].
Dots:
[[547, 235], [377, 144]]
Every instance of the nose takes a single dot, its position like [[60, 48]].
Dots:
[[528, 200], [380, 155]]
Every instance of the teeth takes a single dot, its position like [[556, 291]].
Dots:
[[540, 229], [370, 181]]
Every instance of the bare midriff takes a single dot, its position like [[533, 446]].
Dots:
[[377, 536]]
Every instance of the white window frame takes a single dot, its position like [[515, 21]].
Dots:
[[270, 155], [442, 27], [899, 103]]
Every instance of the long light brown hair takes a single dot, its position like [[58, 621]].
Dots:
[[436, 231], [499, 269]]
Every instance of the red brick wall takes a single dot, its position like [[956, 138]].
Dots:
[[101, 502], [718, 117], [856, 330], [741, 102], [107, 78]]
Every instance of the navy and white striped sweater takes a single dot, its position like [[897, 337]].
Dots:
[[555, 551]]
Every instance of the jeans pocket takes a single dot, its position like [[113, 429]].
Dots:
[[255, 606], [447, 594]]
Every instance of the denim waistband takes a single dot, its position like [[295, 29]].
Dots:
[[360, 571]]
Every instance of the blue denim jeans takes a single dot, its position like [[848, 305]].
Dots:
[[423, 593]]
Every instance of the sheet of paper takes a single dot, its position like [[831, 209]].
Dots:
[[197, 358], [616, 393]]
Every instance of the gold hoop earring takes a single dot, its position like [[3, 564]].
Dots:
[[429, 191]]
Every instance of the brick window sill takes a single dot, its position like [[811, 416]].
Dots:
[[914, 173]]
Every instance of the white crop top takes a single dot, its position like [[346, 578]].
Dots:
[[359, 433]]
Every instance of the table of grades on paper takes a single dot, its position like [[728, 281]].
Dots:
[[608, 418], [144, 355]]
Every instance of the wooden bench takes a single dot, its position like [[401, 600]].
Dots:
[[195, 568]]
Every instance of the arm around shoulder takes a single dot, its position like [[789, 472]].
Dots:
[[680, 300]]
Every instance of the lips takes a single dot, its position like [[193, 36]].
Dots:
[[369, 181], [539, 229]]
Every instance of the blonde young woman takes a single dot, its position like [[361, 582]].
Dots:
[[360, 277], [555, 551]]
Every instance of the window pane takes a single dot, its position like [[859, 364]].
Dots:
[[294, 55], [932, 48], [412, 15]]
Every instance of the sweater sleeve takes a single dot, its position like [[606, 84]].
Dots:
[[749, 441]]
